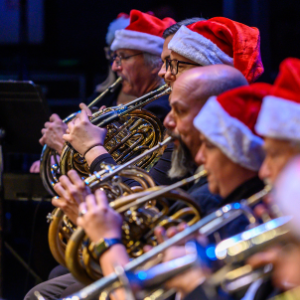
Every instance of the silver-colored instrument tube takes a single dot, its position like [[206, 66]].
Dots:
[[206, 226], [110, 89], [118, 168], [231, 251]]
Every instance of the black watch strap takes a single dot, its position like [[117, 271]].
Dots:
[[97, 249]]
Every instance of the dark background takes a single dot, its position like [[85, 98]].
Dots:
[[69, 61]]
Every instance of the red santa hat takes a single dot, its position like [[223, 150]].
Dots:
[[144, 33], [221, 41], [228, 122], [280, 114]]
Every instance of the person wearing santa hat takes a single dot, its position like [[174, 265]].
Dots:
[[232, 154], [215, 41], [278, 124], [137, 60], [279, 119]]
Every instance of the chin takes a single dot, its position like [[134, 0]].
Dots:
[[126, 89], [213, 188]]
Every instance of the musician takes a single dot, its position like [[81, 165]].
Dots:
[[139, 73], [215, 41], [281, 144], [232, 155], [99, 220]]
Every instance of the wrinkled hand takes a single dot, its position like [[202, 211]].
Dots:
[[53, 133], [35, 167], [72, 191], [82, 134], [99, 220]]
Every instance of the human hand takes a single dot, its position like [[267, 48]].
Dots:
[[99, 219], [86, 109], [35, 167], [53, 133], [82, 134], [72, 191]]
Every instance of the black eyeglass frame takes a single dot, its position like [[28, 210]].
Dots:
[[119, 62], [169, 63]]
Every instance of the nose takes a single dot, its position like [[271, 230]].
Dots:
[[200, 158], [115, 67], [264, 171], [162, 71], [169, 121], [169, 77]]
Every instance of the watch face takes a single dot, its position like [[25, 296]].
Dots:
[[101, 246]]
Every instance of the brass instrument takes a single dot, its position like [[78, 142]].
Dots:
[[206, 226], [139, 222], [60, 228], [49, 167], [230, 253], [131, 130]]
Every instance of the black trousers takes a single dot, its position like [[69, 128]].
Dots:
[[56, 288]]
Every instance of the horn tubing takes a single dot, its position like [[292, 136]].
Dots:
[[127, 164], [109, 89], [126, 109], [95, 288], [96, 100], [165, 190]]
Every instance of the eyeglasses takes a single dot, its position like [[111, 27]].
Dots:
[[174, 64], [118, 58]]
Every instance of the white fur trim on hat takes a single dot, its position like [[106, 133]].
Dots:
[[129, 39], [279, 118], [233, 137], [197, 48]]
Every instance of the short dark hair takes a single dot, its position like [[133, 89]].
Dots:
[[175, 27]]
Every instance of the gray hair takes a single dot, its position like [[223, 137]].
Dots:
[[175, 27], [152, 61]]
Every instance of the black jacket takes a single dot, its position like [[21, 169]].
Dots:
[[244, 191]]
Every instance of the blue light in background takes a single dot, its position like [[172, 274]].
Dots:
[[210, 252], [142, 275]]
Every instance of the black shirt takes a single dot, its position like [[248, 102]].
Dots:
[[244, 191]]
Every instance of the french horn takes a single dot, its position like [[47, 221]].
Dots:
[[138, 225], [206, 226], [131, 130], [109, 179]]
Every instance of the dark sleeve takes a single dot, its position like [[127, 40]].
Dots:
[[159, 172], [207, 201], [160, 107]]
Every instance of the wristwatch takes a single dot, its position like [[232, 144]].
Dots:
[[97, 249]]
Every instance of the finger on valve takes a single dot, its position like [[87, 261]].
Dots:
[[54, 117], [86, 109]]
